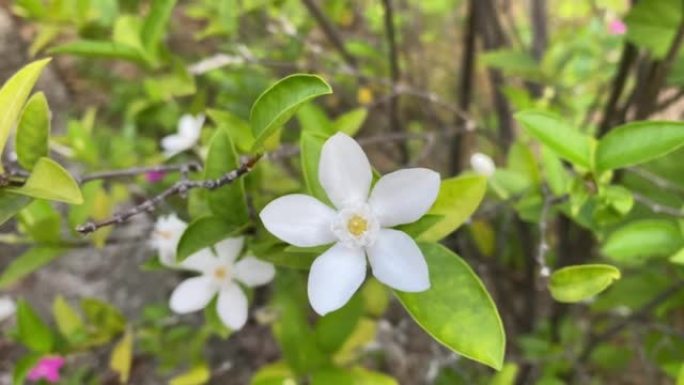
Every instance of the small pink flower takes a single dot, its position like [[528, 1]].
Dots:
[[617, 27], [47, 368], [155, 176]]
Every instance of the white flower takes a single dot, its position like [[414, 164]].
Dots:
[[189, 130], [482, 164], [7, 308], [165, 236], [359, 225], [219, 275]]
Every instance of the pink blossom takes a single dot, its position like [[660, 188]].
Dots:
[[617, 27], [155, 176], [47, 368]]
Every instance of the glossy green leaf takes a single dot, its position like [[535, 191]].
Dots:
[[457, 310], [310, 145], [226, 202], [101, 49], [68, 321], [50, 181], [506, 376], [653, 23], [276, 105], [313, 120], [202, 233], [458, 199], [126, 31], [556, 175], [638, 142], [122, 357], [558, 135], [27, 263], [33, 131], [333, 329], [351, 122], [643, 239], [31, 330], [155, 24], [11, 204], [576, 283], [13, 95], [237, 128]]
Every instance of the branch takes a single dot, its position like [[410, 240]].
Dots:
[[657, 207], [330, 32], [629, 54], [180, 187], [656, 179], [129, 172]]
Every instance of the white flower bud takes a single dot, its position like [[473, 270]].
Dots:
[[482, 164]]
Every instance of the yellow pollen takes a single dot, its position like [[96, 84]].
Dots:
[[357, 225], [220, 273], [165, 234]]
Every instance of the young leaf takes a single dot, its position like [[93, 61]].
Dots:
[[31, 330], [101, 49], [653, 24], [638, 142], [333, 329], [197, 375], [576, 283], [643, 239], [506, 376], [275, 106], [11, 204], [27, 263], [274, 374], [457, 311], [68, 320], [237, 128], [458, 199], [52, 182], [33, 131], [122, 357], [202, 233], [310, 145], [155, 24], [227, 202], [558, 135], [13, 95], [351, 122]]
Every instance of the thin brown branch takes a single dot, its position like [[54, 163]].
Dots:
[[135, 171], [330, 32]]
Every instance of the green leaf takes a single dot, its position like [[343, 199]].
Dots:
[[313, 120], [277, 373], [13, 95], [31, 330], [310, 145], [558, 135], [275, 106], [27, 263], [102, 316], [202, 233], [68, 321], [554, 172], [237, 128], [642, 239], [678, 257], [33, 131], [513, 62], [458, 199], [24, 366], [155, 24], [363, 376], [680, 376], [52, 182], [101, 49], [638, 142], [506, 376], [197, 375], [351, 122], [226, 202], [653, 23], [122, 357], [576, 283], [457, 311], [333, 329], [11, 204]]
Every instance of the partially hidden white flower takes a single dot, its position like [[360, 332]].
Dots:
[[7, 307], [359, 225], [482, 164], [189, 130], [165, 236], [220, 275]]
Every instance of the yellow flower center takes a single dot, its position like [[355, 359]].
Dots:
[[357, 225], [165, 234], [221, 273]]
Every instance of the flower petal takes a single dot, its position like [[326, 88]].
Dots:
[[192, 294], [404, 196], [254, 272], [397, 262], [229, 249], [202, 261], [299, 220], [335, 276], [190, 126], [344, 171], [232, 307], [174, 144]]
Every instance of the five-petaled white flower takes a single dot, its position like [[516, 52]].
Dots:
[[359, 225], [220, 275], [189, 130], [165, 236], [482, 164]]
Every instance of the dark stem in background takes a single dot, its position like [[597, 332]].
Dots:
[[539, 37], [463, 145], [629, 54], [130, 172], [179, 188], [331, 33], [393, 58]]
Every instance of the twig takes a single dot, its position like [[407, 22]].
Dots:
[[629, 54], [543, 246], [129, 172], [657, 180], [180, 187], [330, 32], [657, 207]]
